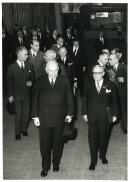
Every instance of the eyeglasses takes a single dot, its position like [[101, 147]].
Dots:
[[97, 73]]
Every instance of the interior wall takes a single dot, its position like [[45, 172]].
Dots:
[[34, 14]]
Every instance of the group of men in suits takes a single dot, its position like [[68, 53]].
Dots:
[[45, 83]]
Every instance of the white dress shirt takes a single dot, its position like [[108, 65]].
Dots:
[[20, 64], [100, 83]]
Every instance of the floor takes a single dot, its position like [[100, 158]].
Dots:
[[22, 160]]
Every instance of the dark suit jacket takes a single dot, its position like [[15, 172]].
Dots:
[[122, 87], [50, 41], [37, 63], [68, 41], [16, 43], [99, 45], [78, 61], [17, 79], [55, 48], [52, 105], [95, 105], [69, 67]]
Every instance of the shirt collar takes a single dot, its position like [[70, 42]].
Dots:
[[116, 65], [19, 63], [33, 53], [50, 79], [100, 82]]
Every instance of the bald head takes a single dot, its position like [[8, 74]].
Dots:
[[50, 55], [98, 72], [52, 69]]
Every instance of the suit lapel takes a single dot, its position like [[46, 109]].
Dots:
[[103, 86]]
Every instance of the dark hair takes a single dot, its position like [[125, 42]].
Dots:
[[117, 50], [20, 48]]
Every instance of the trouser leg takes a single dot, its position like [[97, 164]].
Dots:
[[45, 135], [93, 141], [17, 117], [104, 135], [25, 115], [57, 145]]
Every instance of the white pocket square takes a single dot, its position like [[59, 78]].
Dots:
[[29, 71], [108, 91]]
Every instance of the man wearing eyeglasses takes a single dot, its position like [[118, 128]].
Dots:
[[99, 109]]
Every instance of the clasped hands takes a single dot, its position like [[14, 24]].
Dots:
[[37, 121]]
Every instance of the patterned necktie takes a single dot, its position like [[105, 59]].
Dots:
[[98, 87]]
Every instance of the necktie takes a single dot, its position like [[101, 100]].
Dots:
[[21, 40], [22, 66], [98, 87], [34, 56], [75, 51], [52, 83]]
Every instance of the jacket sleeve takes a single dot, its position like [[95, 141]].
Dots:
[[35, 96], [115, 100], [84, 101], [10, 81], [70, 102]]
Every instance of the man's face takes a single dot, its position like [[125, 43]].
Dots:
[[52, 71], [98, 73], [63, 52], [23, 55], [68, 31], [35, 46], [50, 57], [113, 59], [104, 59], [20, 34], [55, 32], [117, 53], [34, 33], [60, 41], [76, 44]]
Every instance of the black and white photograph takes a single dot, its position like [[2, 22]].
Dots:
[[64, 90]]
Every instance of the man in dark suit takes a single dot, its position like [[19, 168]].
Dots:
[[52, 105], [68, 38], [65, 60], [36, 58], [51, 39], [99, 107], [76, 53], [119, 77], [20, 78], [100, 43], [60, 43], [18, 40], [102, 61]]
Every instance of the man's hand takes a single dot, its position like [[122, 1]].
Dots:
[[120, 79], [84, 68], [36, 121], [11, 99], [85, 117], [114, 119], [68, 119], [29, 83]]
